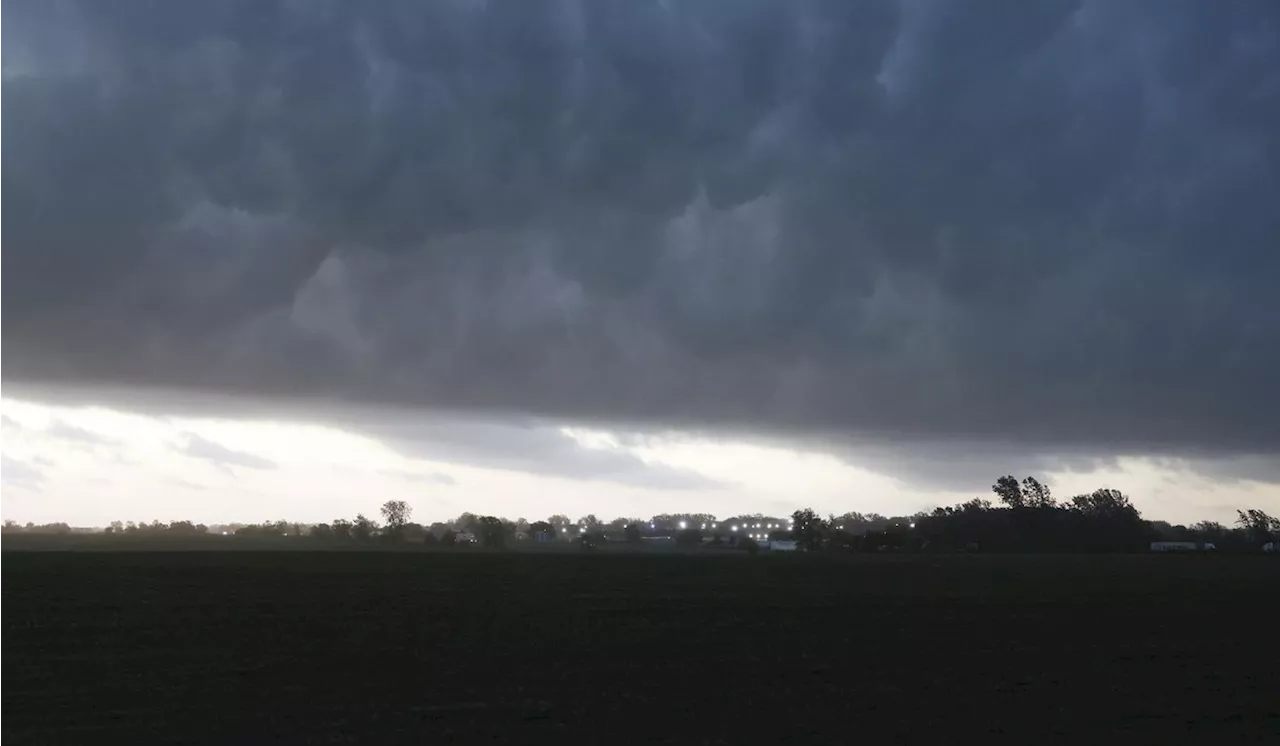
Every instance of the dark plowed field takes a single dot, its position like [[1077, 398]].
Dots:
[[335, 647]]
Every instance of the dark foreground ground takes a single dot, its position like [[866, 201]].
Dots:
[[328, 647]]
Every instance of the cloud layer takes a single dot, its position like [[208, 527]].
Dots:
[[1046, 223]]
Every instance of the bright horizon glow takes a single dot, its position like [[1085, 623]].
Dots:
[[91, 465]]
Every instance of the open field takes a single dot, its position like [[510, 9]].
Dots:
[[380, 647]]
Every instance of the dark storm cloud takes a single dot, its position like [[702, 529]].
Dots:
[[1050, 224]]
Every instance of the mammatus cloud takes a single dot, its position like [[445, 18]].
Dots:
[[197, 447], [1048, 224]]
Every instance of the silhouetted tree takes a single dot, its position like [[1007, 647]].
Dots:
[[1009, 492], [633, 534], [362, 528], [690, 537], [449, 538], [1105, 520], [1104, 503], [12, 527], [396, 515], [187, 528], [1259, 526], [1036, 495], [807, 529]]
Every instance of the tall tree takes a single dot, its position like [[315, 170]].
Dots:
[[1260, 526], [1009, 492], [1035, 494], [807, 528], [396, 515]]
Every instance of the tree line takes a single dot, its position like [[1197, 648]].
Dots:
[[1024, 517]]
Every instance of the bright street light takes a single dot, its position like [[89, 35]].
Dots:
[[683, 525]]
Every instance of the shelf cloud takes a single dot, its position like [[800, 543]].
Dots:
[[1048, 225]]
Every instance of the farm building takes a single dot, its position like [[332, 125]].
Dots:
[[1182, 546]]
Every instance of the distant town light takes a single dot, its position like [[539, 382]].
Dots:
[[734, 528], [565, 530], [683, 525], [913, 525]]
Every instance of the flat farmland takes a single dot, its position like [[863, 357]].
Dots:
[[388, 647]]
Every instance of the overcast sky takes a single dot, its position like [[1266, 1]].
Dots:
[[289, 259]]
